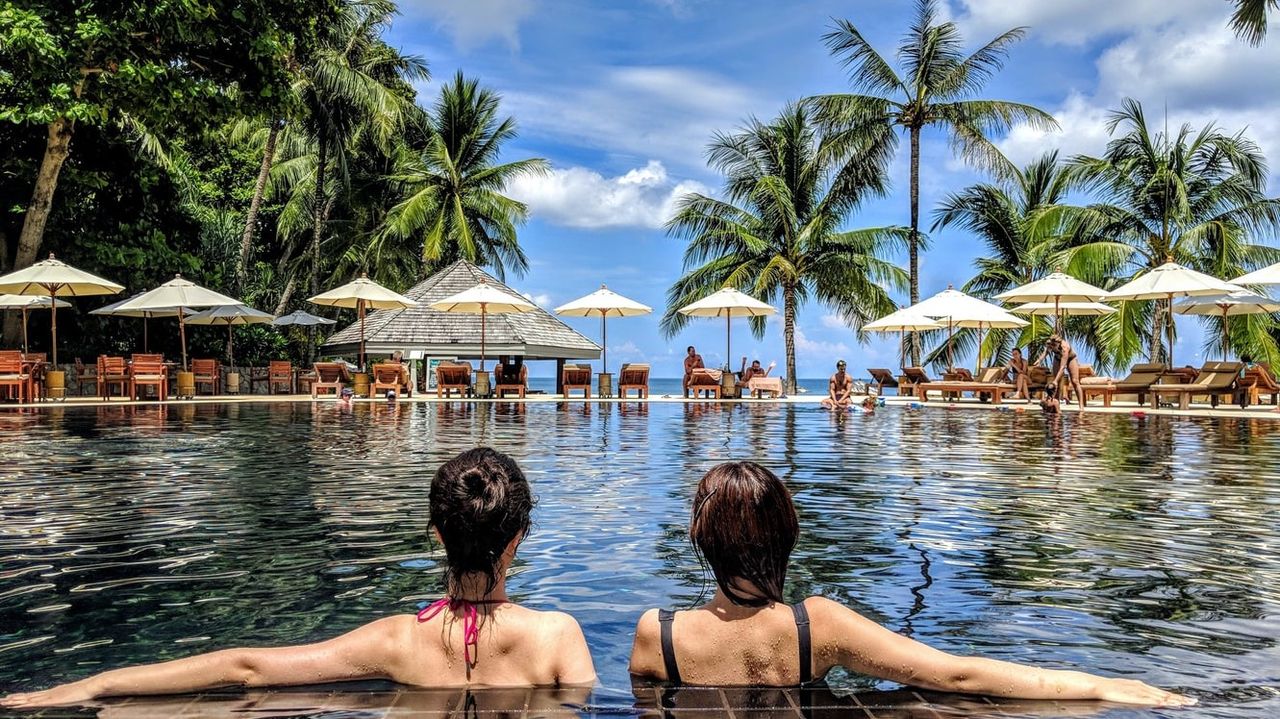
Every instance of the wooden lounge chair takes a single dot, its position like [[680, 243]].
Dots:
[[1215, 380], [452, 376], [12, 376], [1139, 381], [330, 376], [1259, 381], [505, 382], [989, 382], [207, 372], [280, 375], [883, 378], [634, 376], [84, 377], [759, 385], [576, 376], [148, 370], [703, 381], [112, 372], [911, 378]]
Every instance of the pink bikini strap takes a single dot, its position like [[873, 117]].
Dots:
[[470, 622]]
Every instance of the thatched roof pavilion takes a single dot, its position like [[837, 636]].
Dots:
[[537, 335]]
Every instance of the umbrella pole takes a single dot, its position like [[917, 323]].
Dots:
[[53, 325], [231, 360], [1170, 330], [146, 341], [950, 335], [728, 342], [25, 349], [360, 309], [1226, 338], [978, 367], [482, 314], [604, 343], [182, 337]]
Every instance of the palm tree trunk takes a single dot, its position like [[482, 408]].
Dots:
[[317, 229], [251, 220], [56, 150], [913, 246], [286, 294], [789, 334], [1155, 351]]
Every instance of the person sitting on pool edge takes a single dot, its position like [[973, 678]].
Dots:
[[839, 389], [744, 527], [480, 506]]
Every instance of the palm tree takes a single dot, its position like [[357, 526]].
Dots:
[[1004, 216], [452, 202], [938, 87], [1249, 21], [1195, 197], [777, 235]]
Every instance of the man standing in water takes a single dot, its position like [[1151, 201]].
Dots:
[[692, 361], [839, 389]]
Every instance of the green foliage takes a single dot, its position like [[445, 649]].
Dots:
[[1249, 21]]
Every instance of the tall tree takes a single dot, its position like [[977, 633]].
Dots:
[[452, 206], [938, 86], [1196, 197], [778, 235], [1249, 21]]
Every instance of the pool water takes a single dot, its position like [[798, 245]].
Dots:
[[1142, 547]]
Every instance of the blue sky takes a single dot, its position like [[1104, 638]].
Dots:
[[622, 98]]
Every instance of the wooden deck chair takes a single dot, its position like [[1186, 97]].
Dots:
[[576, 376], [1214, 380], [207, 372], [390, 376], [703, 381], [148, 370], [991, 383], [280, 375], [1259, 381], [505, 381], [911, 378], [84, 376], [883, 378], [12, 377], [1138, 382], [634, 376], [330, 377], [453, 376], [112, 372], [36, 364]]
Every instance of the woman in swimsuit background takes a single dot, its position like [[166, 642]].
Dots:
[[480, 505], [1064, 361], [744, 527]]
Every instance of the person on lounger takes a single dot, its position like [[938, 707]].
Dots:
[[744, 527], [839, 389], [480, 506], [746, 374], [692, 361], [1018, 369]]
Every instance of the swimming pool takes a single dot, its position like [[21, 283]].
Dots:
[[1142, 547]]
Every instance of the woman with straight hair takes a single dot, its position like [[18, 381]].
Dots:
[[480, 506], [744, 526]]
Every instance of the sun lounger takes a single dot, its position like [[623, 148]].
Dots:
[[12, 375], [206, 372], [634, 376], [759, 385], [1139, 382], [330, 376], [148, 370], [705, 381], [1259, 381], [911, 378], [883, 378], [453, 376], [1215, 380], [505, 383], [990, 382], [390, 376], [576, 376]]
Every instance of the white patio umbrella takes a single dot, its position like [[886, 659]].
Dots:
[[230, 315], [1066, 309], [1168, 281], [26, 303], [1055, 288], [180, 295], [113, 310], [484, 299], [957, 309], [605, 303], [903, 321], [51, 278], [362, 294], [1269, 275], [1228, 305], [728, 303], [301, 319]]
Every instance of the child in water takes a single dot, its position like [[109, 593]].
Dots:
[[1050, 404], [869, 405]]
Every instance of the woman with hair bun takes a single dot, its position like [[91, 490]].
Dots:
[[480, 506], [744, 527]]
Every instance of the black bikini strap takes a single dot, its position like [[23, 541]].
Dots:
[[666, 618], [806, 642]]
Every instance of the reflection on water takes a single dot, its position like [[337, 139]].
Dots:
[[1136, 547]]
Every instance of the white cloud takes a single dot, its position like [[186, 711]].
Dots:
[[815, 350], [541, 300], [581, 197], [474, 22], [834, 322], [1080, 21], [667, 113]]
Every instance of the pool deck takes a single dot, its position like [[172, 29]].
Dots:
[[966, 403]]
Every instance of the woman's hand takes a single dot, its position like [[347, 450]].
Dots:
[[1132, 691], [74, 693]]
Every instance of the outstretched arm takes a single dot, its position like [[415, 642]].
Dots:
[[868, 648], [365, 653]]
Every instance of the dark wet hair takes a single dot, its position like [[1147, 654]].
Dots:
[[479, 502], [1050, 391], [690, 349], [744, 526]]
